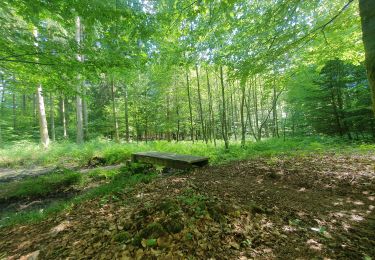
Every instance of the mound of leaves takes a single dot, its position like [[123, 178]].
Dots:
[[186, 225]]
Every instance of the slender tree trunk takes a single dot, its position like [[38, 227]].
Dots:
[[210, 108], [114, 113], [169, 134], [79, 118], [367, 12], [255, 98], [225, 129], [35, 113], [190, 109], [126, 113], [43, 127], [80, 132], [2, 101], [24, 104], [200, 106], [176, 94], [243, 96], [85, 114], [14, 111], [274, 113], [52, 117], [63, 117]]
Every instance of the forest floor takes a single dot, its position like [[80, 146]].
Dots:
[[288, 207]]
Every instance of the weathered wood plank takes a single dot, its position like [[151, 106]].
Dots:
[[179, 161]]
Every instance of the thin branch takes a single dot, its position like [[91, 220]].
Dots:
[[19, 55], [29, 62]]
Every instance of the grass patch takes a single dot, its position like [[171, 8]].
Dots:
[[66, 153], [118, 182], [38, 186]]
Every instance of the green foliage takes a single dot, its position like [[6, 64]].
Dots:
[[38, 186], [106, 192], [66, 153]]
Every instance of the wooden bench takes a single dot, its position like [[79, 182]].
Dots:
[[172, 160]]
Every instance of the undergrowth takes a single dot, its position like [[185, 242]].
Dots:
[[118, 180], [65, 153]]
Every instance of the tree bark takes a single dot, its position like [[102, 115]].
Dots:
[[200, 105], [242, 106], [2, 101], [367, 13], [52, 117], [79, 118], [190, 109], [126, 113], [43, 127], [210, 109], [85, 114], [80, 133], [14, 111], [114, 113], [62, 117], [225, 129]]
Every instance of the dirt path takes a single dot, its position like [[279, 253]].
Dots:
[[280, 208]]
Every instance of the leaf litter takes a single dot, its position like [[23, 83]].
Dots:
[[283, 207]]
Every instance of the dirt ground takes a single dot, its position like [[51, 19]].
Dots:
[[317, 206]]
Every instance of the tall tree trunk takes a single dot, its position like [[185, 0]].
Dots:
[[114, 113], [225, 129], [190, 109], [80, 133], [24, 104], [79, 118], [63, 117], [210, 109], [200, 105], [176, 94], [52, 116], [126, 113], [169, 134], [85, 114], [43, 127], [367, 12], [35, 113], [2, 101], [275, 131], [242, 106], [14, 109], [255, 100]]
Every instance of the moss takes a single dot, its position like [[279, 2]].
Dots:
[[153, 230], [173, 225], [168, 206], [123, 237]]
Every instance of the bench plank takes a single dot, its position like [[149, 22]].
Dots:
[[179, 161]]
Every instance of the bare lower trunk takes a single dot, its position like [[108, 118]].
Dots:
[[14, 111], [44, 138], [85, 115], [2, 100], [126, 113], [52, 117], [224, 121], [210, 109], [190, 109], [242, 108], [114, 112], [63, 117], [79, 120], [367, 12], [200, 106]]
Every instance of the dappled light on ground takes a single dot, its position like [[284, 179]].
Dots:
[[261, 208]]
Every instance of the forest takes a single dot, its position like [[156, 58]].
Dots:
[[278, 94]]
